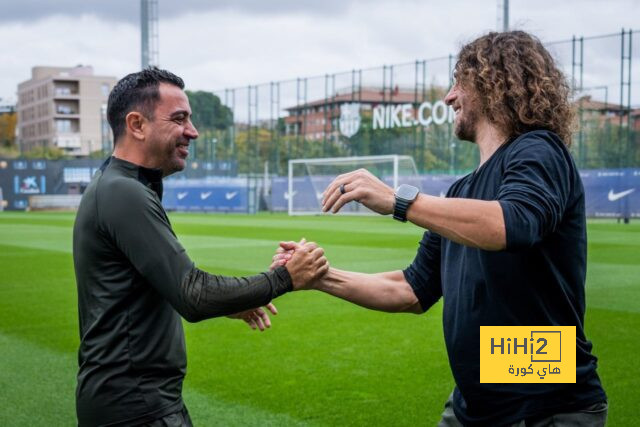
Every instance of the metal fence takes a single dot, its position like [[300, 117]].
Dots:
[[398, 109]]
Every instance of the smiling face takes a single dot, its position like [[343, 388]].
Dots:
[[170, 131], [466, 106]]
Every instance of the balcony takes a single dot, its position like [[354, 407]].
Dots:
[[66, 110], [68, 141], [67, 125], [65, 93], [66, 89], [67, 114]]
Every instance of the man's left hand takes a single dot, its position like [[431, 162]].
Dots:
[[256, 318], [362, 186]]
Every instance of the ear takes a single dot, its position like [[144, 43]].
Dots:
[[136, 123]]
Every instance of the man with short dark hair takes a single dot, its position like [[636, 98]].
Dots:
[[134, 278], [506, 247]]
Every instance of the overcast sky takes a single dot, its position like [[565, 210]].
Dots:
[[217, 44]]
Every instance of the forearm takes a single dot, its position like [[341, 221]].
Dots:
[[381, 291], [205, 295], [470, 222]]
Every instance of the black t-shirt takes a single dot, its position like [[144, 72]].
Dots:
[[537, 280]]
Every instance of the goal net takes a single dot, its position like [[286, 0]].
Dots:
[[308, 178]]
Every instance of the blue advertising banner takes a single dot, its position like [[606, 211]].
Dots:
[[279, 194], [437, 185], [220, 195], [612, 193], [609, 193], [21, 178]]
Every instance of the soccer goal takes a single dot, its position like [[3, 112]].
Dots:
[[308, 178]]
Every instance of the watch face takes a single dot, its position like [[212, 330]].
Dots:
[[407, 192]]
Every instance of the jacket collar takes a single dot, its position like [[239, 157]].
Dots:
[[151, 178]]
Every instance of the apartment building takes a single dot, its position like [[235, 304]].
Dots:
[[599, 113], [64, 107]]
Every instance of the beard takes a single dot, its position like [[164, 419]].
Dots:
[[176, 161], [169, 157], [465, 126]]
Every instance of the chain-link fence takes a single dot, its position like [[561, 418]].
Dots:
[[398, 109]]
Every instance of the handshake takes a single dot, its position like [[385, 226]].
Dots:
[[306, 265], [304, 261]]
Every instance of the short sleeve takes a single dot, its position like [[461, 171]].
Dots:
[[423, 275], [535, 189]]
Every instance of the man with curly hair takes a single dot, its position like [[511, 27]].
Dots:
[[507, 246]]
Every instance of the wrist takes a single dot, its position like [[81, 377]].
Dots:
[[391, 204], [405, 195], [284, 282], [324, 283]]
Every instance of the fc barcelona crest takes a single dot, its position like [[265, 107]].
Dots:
[[349, 119]]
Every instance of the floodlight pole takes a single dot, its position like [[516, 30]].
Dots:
[[502, 15], [505, 15], [149, 33], [290, 187], [395, 172]]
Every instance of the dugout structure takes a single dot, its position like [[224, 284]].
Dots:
[[308, 178]]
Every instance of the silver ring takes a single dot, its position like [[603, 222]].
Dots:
[[342, 190]]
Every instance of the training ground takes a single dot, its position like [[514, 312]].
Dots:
[[323, 362]]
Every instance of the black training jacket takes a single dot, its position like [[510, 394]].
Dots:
[[134, 282]]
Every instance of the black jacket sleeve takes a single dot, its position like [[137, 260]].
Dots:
[[535, 189], [135, 221], [205, 295], [423, 275]]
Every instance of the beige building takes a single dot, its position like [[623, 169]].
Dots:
[[64, 107]]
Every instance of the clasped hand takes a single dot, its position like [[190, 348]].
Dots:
[[305, 262]]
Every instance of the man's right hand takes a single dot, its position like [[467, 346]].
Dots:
[[281, 257], [305, 262]]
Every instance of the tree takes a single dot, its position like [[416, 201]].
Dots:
[[213, 121], [208, 112], [50, 153], [8, 129]]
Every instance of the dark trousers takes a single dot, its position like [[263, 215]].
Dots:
[[177, 419], [592, 416]]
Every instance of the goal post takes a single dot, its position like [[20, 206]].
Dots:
[[308, 178]]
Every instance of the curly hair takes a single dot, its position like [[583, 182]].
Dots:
[[517, 83]]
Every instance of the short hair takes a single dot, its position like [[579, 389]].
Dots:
[[137, 91], [517, 82]]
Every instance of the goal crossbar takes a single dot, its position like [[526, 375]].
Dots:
[[394, 159]]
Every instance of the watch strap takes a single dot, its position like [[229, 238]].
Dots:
[[400, 209]]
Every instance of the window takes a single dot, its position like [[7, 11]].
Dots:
[[105, 89], [63, 126], [62, 91], [64, 109]]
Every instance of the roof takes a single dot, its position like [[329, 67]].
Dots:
[[366, 96]]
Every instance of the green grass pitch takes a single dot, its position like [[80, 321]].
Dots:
[[324, 361]]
